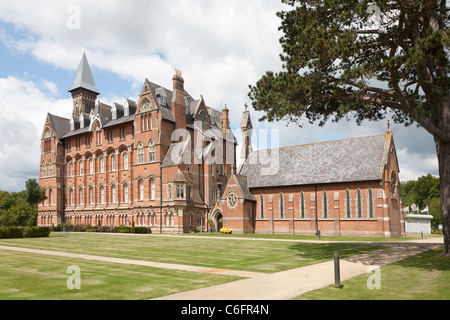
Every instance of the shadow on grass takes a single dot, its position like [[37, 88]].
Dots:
[[325, 251]]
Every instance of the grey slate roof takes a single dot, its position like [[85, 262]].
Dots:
[[60, 125], [359, 159], [84, 78]]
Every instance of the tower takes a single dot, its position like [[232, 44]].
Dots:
[[84, 92], [246, 130]]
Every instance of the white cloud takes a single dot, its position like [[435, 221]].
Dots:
[[23, 109], [221, 48]]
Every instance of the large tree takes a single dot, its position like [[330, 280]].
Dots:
[[344, 59]]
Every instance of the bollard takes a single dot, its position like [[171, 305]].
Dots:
[[337, 273]]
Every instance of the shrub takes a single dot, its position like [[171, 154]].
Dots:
[[122, 229], [11, 232], [226, 230], [36, 232], [139, 230]]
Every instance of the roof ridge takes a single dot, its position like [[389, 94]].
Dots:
[[322, 142]]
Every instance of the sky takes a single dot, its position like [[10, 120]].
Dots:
[[221, 47]]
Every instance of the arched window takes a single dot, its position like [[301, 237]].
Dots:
[[141, 189], [261, 206], [325, 204], [151, 151], [81, 167], [102, 194], [348, 208], [140, 153], [71, 196], [370, 203], [91, 166], [44, 169], [113, 162], [50, 196], [125, 192], [125, 160], [152, 188], [81, 195], [302, 205], [50, 168], [281, 205], [113, 194], [102, 164], [359, 203], [393, 183], [91, 195], [71, 169]]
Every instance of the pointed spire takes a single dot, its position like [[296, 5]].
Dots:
[[84, 78]]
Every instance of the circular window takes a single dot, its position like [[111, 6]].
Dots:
[[232, 200]]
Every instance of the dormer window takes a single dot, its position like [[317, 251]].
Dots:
[[161, 95], [201, 116]]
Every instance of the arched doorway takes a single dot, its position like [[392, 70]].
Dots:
[[218, 220]]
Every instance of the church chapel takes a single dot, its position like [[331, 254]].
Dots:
[[167, 161]]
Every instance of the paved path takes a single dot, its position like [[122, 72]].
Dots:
[[277, 286]]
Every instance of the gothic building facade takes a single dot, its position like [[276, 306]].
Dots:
[[167, 161], [119, 164]]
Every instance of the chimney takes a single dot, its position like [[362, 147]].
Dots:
[[225, 120], [178, 107]]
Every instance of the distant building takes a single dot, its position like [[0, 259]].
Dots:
[[168, 161]]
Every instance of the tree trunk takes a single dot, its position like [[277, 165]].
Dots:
[[443, 153]]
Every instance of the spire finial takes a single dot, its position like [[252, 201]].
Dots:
[[246, 106]]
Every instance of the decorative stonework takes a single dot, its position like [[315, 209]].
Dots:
[[232, 200]]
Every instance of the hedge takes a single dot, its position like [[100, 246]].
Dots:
[[21, 232]]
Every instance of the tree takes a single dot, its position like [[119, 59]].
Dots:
[[33, 193], [344, 59], [420, 191], [15, 210]]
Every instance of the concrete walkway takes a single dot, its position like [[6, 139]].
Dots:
[[277, 286]]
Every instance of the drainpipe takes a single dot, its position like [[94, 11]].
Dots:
[[317, 221]]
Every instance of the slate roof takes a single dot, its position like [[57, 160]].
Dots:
[[60, 125], [84, 78], [359, 159]]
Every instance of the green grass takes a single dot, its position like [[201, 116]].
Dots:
[[261, 256], [26, 276], [422, 277]]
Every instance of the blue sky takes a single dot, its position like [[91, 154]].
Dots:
[[221, 48]]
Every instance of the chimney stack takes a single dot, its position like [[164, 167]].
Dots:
[[178, 107], [225, 120]]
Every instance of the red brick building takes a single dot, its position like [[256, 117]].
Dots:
[[343, 188], [120, 164], [167, 161]]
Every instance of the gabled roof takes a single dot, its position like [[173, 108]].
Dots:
[[60, 125], [358, 159], [83, 78]]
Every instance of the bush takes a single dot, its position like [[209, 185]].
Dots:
[[11, 232], [226, 230], [139, 230], [122, 229], [36, 232]]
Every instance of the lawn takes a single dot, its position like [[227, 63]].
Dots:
[[260, 256], [26, 276], [35, 276], [422, 277]]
